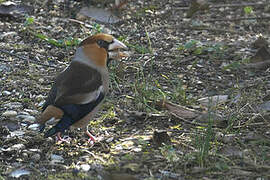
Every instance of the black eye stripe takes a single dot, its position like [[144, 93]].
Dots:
[[103, 44]]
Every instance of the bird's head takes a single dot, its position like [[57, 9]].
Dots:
[[100, 48]]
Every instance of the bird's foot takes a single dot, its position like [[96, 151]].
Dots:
[[92, 138], [65, 139]]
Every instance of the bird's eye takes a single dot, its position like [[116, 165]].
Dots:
[[103, 44]]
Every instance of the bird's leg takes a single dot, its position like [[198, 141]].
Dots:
[[66, 139], [92, 138]]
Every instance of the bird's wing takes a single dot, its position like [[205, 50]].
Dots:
[[78, 84], [50, 98]]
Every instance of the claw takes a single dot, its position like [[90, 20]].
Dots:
[[65, 139]]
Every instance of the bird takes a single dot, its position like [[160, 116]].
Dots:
[[79, 90]]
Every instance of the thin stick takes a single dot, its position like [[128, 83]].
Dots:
[[237, 19], [200, 28], [228, 5], [80, 22]]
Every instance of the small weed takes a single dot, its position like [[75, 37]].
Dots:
[[29, 21], [197, 48], [97, 28], [203, 143], [140, 49], [169, 153], [236, 64], [248, 10]]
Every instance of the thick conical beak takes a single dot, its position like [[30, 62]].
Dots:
[[116, 45], [114, 50]]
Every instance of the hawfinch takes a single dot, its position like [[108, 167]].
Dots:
[[79, 90]]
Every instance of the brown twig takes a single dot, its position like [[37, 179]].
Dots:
[[80, 22], [25, 59], [201, 28], [237, 19], [228, 5]]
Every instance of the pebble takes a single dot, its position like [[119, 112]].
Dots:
[[16, 147], [6, 93], [18, 173], [85, 167], [17, 133], [4, 68], [31, 111], [36, 157], [9, 113], [56, 159], [13, 105], [27, 118], [34, 127], [25, 155]]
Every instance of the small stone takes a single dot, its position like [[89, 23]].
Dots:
[[36, 157], [9, 114], [18, 173], [41, 80], [16, 147], [31, 111], [85, 167], [56, 159], [27, 118], [17, 133], [13, 105], [25, 155], [7, 93], [161, 137], [34, 127]]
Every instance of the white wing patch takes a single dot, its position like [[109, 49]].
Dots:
[[92, 96]]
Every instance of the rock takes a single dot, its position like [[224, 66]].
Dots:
[[13, 105], [161, 137], [34, 127], [9, 113], [213, 100], [31, 111], [27, 118], [264, 106], [56, 159], [4, 68], [35, 157], [17, 133], [15, 147], [6, 93], [85, 167], [18, 173]]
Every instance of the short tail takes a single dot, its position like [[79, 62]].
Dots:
[[41, 127], [61, 126], [51, 132]]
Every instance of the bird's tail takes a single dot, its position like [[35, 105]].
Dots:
[[61, 126]]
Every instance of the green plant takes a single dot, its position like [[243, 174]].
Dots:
[[67, 42], [98, 28], [203, 142], [197, 48], [169, 153], [248, 10]]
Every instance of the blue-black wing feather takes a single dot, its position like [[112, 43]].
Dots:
[[73, 113]]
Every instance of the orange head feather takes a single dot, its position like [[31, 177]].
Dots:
[[96, 47]]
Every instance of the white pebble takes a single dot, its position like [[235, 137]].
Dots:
[[9, 114]]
